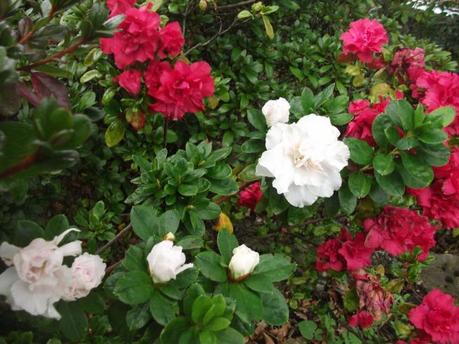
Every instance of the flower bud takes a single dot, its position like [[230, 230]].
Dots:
[[166, 261], [276, 111], [243, 262], [169, 236]]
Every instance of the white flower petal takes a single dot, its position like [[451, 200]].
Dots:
[[7, 252]]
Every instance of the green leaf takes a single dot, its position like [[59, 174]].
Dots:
[[144, 221], [169, 222], [162, 309], [257, 119], [249, 306], [415, 172], [134, 259], [114, 133], [259, 283], [26, 231], [383, 163], [401, 113], [406, 143], [56, 226], [359, 184], [307, 329], [216, 310], [434, 155], [275, 309], [209, 263], [347, 200], [378, 127], [253, 146], [275, 268], [207, 337], [361, 151], [226, 243], [218, 324], [192, 293], [268, 27], [351, 301], [307, 100], [138, 317], [191, 242], [188, 189], [173, 331], [230, 336], [73, 323], [391, 183], [431, 136], [443, 116], [134, 287], [200, 307]]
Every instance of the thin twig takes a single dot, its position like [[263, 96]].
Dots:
[[239, 4], [119, 235], [219, 33], [55, 56]]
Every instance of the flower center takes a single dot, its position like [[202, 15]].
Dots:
[[303, 160]]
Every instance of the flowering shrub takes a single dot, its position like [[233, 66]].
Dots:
[[239, 172]]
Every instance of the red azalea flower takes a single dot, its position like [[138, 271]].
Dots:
[[182, 89], [251, 195], [119, 6], [356, 254], [152, 75], [364, 38], [437, 89], [438, 317], [137, 40], [440, 201], [172, 40], [372, 297], [362, 319], [130, 81], [343, 252], [400, 230]]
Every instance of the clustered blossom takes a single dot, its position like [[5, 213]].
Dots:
[[250, 195], [141, 46], [364, 38], [399, 230], [304, 158], [37, 278], [437, 317], [343, 252], [440, 201]]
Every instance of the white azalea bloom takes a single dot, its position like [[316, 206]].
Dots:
[[166, 261], [305, 159], [243, 262], [86, 273], [33, 283], [276, 111]]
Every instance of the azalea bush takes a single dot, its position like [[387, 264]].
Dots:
[[228, 172]]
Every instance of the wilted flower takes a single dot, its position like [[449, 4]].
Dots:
[[243, 262], [276, 111], [305, 159], [372, 297], [166, 261]]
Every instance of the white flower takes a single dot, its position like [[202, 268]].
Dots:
[[86, 273], [243, 262], [276, 111], [305, 159], [166, 261], [33, 283]]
